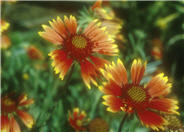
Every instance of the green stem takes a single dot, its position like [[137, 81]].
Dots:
[[122, 122], [64, 90]]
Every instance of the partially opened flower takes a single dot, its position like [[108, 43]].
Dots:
[[83, 47], [4, 25], [77, 120], [11, 106], [147, 101]]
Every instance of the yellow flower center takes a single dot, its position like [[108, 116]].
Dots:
[[79, 123], [137, 94], [8, 102], [79, 42]]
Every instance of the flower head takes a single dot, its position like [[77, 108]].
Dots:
[[34, 53], [4, 25], [80, 46], [11, 106], [147, 101], [98, 125], [77, 119]]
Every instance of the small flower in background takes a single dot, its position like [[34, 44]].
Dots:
[[25, 76], [5, 42], [98, 125], [11, 106], [162, 23], [77, 120], [34, 53], [147, 101], [157, 49], [4, 25], [107, 17], [82, 47]]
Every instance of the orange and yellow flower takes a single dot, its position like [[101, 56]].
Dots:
[[11, 106], [4, 25], [147, 101], [77, 119], [80, 46], [157, 49], [108, 18], [34, 53], [5, 42]]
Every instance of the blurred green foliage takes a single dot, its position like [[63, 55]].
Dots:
[[143, 21]]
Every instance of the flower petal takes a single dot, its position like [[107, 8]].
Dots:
[[5, 124], [137, 71], [51, 35], [165, 105], [88, 71], [61, 62], [151, 119], [14, 125], [111, 88], [116, 72], [158, 86], [99, 62], [97, 4], [59, 27], [114, 104], [71, 24], [103, 43], [26, 118]]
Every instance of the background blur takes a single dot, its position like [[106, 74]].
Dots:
[[152, 31]]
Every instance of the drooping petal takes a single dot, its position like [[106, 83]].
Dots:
[[51, 35], [5, 124], [27, 102], [114, 104], [61, 62], [71, 24], [88, 71], [99, 62], [14, 126], [158, 86], [164, 104], [111, 88], [26, 118], [116, 72], [22, 100], [137, 71], [151, 119]]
